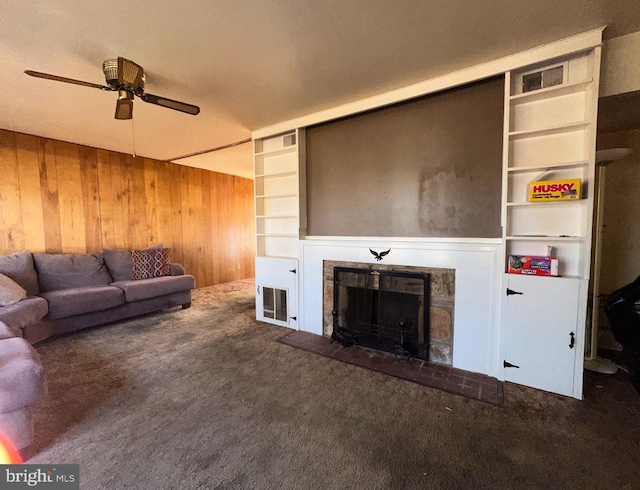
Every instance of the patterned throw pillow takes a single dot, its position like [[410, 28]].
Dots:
[[151, 263]]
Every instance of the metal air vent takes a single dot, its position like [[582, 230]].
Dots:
[[543, 78]]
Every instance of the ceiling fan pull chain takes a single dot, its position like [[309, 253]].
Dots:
[[133, 136]]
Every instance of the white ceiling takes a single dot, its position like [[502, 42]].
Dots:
[[252, 63]]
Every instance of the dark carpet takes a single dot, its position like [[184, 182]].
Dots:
[[207, 398]]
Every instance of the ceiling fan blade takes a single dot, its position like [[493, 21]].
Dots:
[[171, 104], [56, 78], [124, 108]]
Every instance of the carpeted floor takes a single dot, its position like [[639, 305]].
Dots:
[[207, 398]]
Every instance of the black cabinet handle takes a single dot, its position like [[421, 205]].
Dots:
[[294, 318], [573, 340], [292, 270], [511, 292]]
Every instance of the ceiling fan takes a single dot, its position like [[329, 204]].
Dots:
[[127, 78]]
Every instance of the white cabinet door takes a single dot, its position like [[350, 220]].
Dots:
[[277, 291], [539, 331]]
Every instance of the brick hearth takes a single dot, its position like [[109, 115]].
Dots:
[[438, 376]]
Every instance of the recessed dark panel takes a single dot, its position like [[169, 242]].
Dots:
[[429, 167]]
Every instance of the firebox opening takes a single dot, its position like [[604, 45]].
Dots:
[[384, 310]]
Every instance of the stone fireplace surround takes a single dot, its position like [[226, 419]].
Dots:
[[442, 297]]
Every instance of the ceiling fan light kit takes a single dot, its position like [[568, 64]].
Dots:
[[124, 105], [128, 79]]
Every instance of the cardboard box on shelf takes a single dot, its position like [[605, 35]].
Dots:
[[554, 190], [533, 265]]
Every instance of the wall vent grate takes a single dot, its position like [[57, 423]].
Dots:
[[274, 304], [543, 79]]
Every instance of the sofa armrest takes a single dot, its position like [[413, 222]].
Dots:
[[177, 270]]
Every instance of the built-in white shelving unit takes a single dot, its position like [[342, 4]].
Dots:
[[280, 217], [549, 135], [533, 328]]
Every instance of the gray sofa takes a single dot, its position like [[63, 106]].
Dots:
[[64, 293]]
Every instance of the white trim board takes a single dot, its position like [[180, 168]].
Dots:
[[563, 47]]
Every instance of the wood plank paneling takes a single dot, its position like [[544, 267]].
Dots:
[[215, 227], [13, 229], [70, 198], [105, 198], [137, 205], [207, 243], [49, 195], [186, 222], [61, 197], [226, 220], [29, 176], [150, 201], [91, 198], [176, 214], [163, 210], [118, 192]]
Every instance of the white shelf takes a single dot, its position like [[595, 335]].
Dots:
[[276, 174], [283, 151], [546, 278], [571, 202], [536, 238], [547, 93], [552, 166], [276, 216], [560, 128], [276, 196]]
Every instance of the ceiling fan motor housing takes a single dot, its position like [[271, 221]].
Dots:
[[110, 69], [121, 73]]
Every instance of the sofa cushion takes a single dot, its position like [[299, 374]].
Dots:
[[67, 271], [77, 301], [19, 267], [151, 263], [157, 286], [10, 291], [29, 310], [5, 331], [17, 426], [120, 263], [20, 373]]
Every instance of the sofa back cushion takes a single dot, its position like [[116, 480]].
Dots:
[[19, 268], [66, 271], [120, 262]]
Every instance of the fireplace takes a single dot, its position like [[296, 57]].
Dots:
[[438, 332], [384, 310]]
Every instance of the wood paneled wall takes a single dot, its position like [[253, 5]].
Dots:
[[62, 197]]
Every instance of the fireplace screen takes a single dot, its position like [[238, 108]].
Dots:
[[384, 310]]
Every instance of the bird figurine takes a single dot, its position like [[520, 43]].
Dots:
[[379, 256]]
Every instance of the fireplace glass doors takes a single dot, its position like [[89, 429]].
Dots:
[[384, 310]]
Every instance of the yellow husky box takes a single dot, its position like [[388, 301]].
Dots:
[[554, 190]]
